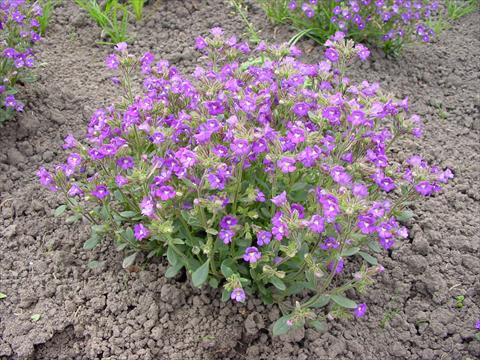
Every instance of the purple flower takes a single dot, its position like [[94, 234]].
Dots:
[[296, 135], [112, 61], [280, 200], [75, 190], [386, 184], [147, 206], [214, 107], [200, 43], [444, 176], [238, 295], [340, 176], [316, 224], [141, 232], [252, 254], [74, 160], [362, 52], [121, 47], [10, 101], [338, 268], [356, 118], [477, 325], [45, 177], [220, 150], [332, 55], [226, 236], [330, 243], [332, 114], [359, 190], [157, 138], [301, 108], [424, 188], [308, 156], [186, 157], [360, 310], [264, 237], [70, 142], [165, 192], [260, 197], [366, 224], [215, 182], [299, 209], [216, 31], [286, 164], [100, 192], [240, 147], [228, 222], [125, 163], [121, 180]]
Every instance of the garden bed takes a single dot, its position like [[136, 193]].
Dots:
[[414, 311]]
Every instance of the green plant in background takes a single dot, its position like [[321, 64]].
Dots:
[[242, 11], [19, 31], [458, 8], [137, 6], [47, 7], [453, 10], [112, 18], [459, 299], [389, 25]]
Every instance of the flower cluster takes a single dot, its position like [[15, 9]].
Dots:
[[388, 24], [259, 173], [18, 31]]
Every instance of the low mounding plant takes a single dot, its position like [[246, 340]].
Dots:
[[19, 28], [259, 174], [387, 24]]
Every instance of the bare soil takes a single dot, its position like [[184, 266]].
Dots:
[[108, 313]]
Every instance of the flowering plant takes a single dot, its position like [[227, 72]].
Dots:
[[18, 31], [388, 24], [262, 175]]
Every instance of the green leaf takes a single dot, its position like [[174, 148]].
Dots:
[[321, 301], [95, 264], [72, 219], [350, 251], [212, 231], [172, 256], [172, 271], [280, 326], [178, 241], [59, 210], [2, 296], [129, 260], [190, 219], [35, 317], [201, 274], [298, 186], [128, 214], [92, 242], [374, 246], [368, 258], [279, 284], [405, 215], [320, 326], [129, 234], [225, 295], [213, 282], [344, 301], [225, 269]]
